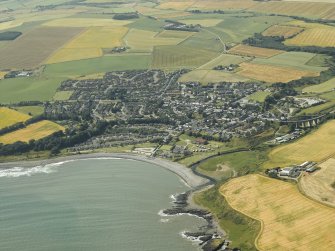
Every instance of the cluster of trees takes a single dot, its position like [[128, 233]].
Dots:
[[125, 16], [57, 140], [281, 91]]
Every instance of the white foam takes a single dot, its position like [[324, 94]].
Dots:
[[164, 220], [191, 238], [162, 214], [16, 172]]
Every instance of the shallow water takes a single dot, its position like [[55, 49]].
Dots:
[[105, 204]]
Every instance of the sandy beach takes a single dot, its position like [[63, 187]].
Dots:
[[186, 174]]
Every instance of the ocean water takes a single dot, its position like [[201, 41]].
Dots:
[[96, 204]]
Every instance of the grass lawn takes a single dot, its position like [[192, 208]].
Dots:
[[258, 96], [320, 88], [33, 110]]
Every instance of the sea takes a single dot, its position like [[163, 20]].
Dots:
[[94, 204]]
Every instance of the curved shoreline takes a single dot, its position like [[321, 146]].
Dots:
[[183, 172]]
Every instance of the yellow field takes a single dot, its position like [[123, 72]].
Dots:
[[316, 146], [290, 221], [142, 40], [2, 74], [10, 24], [251, 51], [227, 4], [35, 131], [10, 117], [282, 30], [272, 74], [86, 22], [202, 22], [89, 44], [318, 184], [323, 37]]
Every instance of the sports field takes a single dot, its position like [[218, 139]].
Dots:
[[318, 185], [316, 146], [320, 88], [35, 131], [290, 221], [34, 47], [10, 117], [246, 50], [89, 44], [272, 74], [174, 57], [259, 96], [282, 31]]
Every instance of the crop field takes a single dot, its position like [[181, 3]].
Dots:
[[35, 131], [86, 22], [282, 31], [174, 57], [34, 47], [246, 50], [320, 88], [310, 10], [296, 60], [10, 117], [202, 22], [174, 34], [272, 74], [211, 76], [318, 185], [10, 24], [316, 146], [2, 74], [290, 221], [224, 60], [142, 40], [81, 68], [229, 4], [182, 5], [89, 44], [314, 37]]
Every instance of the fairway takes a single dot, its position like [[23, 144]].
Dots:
[[320, 88], [89, 44], [289, 220], [34, 131], [246, 50], [316, 146], [282, 31], [10, 117], [319, 184], [32, 48], [273, 74]]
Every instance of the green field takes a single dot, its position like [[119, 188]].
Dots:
[[30, 110], [259, 96], [224, 60], [62, 95], [296, 60], [175, 57], [29, 89], [320, 88]]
